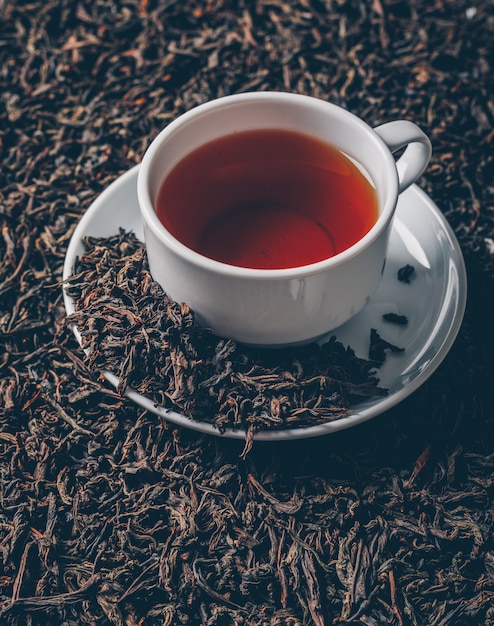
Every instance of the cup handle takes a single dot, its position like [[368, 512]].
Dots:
[[415, 159]]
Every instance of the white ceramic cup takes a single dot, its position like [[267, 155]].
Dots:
[[280, 306]]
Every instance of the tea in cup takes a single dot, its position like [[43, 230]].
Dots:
[[269, 213]]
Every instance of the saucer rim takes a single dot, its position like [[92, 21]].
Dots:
[[356, 416]]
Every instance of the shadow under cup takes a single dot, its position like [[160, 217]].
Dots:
[[199, 196]]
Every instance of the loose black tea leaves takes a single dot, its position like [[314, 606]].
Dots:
[[379, 346], [132, 329], [395, 318], [406, 273], [110, 516]]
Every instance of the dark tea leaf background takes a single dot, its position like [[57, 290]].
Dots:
[[110, 516]]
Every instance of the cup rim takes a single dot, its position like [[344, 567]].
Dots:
[[150, 217]]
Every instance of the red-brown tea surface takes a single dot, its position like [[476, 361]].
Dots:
[[267, 199]]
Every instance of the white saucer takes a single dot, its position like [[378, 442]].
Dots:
[[433, 301]]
